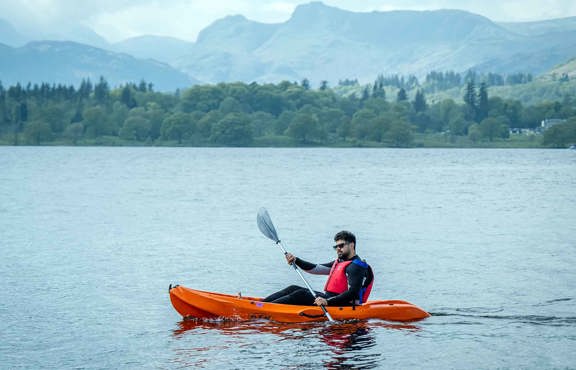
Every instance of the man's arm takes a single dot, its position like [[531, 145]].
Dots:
[[312, 268]]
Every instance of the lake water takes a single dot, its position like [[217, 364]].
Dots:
[[90, 239]]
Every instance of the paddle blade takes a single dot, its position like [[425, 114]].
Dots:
[[265, 225]]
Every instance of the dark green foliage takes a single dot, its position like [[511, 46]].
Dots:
[[471, 106], [287, 113], [177, 126], [136, 128], [482, 109], [561, 135], [401, 96], [37, 132], [232, 130], [101, 91], [419, 102]]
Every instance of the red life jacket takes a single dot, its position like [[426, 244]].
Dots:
[[338, 282]]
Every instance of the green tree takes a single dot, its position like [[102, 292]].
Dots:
[[423, 121], [136, 128], [177, 126], [266, 99], [378, 88], [234, 129], [381, 126], [74, 132], [458, 126], [23, 112], [474, 133], [483, 107], [155, 114], [443, 113], [331, 119], [118, 115], [37, 132], [363, 123], [283, 121], [56, 117], [401, 96], [101, 91], [304, 127], [230, 105], [494, 127], [512, 110], [96, 122], [262, 123], [470, 101], [127, 97], [561, 135], [207, 121], [399, 134], [419, 103], [202, 98]]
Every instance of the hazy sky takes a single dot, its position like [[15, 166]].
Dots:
[[119, 19]]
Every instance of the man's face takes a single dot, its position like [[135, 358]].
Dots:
[[343, 248]]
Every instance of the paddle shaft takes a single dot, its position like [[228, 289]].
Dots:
[[305, 281]]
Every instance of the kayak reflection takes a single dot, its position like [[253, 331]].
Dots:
[[346, 343], [336, 329]]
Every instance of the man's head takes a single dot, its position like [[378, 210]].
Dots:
[[345, 244]]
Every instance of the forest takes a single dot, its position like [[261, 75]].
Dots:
[[393, 111]]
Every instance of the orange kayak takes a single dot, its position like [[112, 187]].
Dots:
[[191, 303]]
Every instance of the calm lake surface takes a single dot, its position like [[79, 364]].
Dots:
[[90, 239]]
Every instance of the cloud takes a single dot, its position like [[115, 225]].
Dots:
[[119, 19], [45, 15], [496, 10], [181, 18]]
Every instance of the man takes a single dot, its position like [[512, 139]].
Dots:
[[349, 282]]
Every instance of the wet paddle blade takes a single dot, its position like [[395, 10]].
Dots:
[[266, 226]]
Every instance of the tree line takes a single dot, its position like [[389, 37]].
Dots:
[[444, 80], [282, 114]]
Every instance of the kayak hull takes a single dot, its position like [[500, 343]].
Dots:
[[192, 303]]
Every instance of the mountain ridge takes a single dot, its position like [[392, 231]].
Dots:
[[68, 62], [324, 43]]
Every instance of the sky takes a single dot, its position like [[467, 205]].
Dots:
[[116, 20]]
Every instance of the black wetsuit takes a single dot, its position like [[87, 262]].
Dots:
[[356, 275]]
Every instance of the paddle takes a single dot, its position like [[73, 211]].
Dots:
[[267, 228]]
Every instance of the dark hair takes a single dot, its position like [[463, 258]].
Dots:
[[347, 236]]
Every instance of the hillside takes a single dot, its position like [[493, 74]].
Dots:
[[568, 69], [69, 63]]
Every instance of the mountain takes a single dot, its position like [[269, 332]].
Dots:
[[9, 35], [160, 48], [70, 62], [75, 33], [227, 51], [541, 27], [320, 42]]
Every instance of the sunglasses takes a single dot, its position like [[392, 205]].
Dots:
[[341, 245]]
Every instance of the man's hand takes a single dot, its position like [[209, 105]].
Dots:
[[319, 301], [290, 258]]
